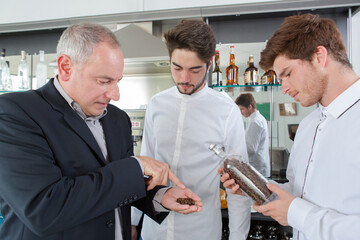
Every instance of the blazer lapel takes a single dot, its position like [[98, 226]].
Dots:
[[75, 122]]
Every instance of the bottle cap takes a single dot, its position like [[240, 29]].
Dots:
[[42, 53], [23, 54]]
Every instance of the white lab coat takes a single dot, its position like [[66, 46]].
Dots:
[[257, 142], [179, 130]]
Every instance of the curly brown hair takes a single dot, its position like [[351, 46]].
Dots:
[[299, 36], [193, 35]]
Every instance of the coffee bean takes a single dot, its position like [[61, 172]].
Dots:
[[184, 201]]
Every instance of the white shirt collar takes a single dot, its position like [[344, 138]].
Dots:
[[342, 102], [73, 104], [253, 115]]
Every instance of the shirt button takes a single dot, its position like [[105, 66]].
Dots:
[[311, 160], [109, 223]]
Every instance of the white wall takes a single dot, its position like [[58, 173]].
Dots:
[[16, 11], [150, 5]]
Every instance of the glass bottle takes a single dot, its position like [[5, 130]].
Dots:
[[251, 73], [216, 74], [41, 71], [269, 77], [251, 182], [3, 70], [232, 71], [23, 73], [9, 84]]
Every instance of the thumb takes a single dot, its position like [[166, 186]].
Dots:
[[192, 195], [276, 189]]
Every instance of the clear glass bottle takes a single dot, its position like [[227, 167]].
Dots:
[[251, 182], [23, 73], [216, 74], [232, 71], [3, 70], [251, 75], [269, 77], [41, 70], [9, 84]]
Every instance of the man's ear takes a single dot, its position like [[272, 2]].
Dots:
[[321, 56], [65, 67]]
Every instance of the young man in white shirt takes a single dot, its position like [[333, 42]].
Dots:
[[180, 125], [321, 200], [256, 134]]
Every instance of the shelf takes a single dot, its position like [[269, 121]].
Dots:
[[10, 91], [263, 85]]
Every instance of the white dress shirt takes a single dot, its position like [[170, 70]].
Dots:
[[324, 171], [257, 143], [179, 130]]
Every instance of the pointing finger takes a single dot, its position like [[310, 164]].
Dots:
[[176, 180]]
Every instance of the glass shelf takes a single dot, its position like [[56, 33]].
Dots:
[[10, 91], [263, 85]]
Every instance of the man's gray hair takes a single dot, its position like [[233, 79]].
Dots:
[[79, 40]]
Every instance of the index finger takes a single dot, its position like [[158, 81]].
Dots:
[[175, 180]]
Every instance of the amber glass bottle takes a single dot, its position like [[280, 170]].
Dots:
[[269, 77], [251, 76], [232, 71]]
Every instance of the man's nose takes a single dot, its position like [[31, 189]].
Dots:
[[113, 92], [285, 87], [185, 78]]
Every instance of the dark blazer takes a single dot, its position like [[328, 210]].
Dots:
[[54, 181]]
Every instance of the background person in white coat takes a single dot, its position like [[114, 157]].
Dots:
[[256, 134], [180, 124]]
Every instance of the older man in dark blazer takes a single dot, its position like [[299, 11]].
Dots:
[[67, 169]]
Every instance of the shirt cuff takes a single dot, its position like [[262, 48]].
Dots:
[[136, 215], [299, 210], [141, 166], [157, 200]]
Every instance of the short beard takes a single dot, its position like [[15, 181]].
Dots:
[[315, 89], [195, 87]]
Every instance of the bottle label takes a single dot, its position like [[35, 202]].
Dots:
[[251, 78], [264, 80], [247, 78], [216, 78], [255, 78]]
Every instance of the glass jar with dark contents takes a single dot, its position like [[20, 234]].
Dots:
[[251, 182]]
